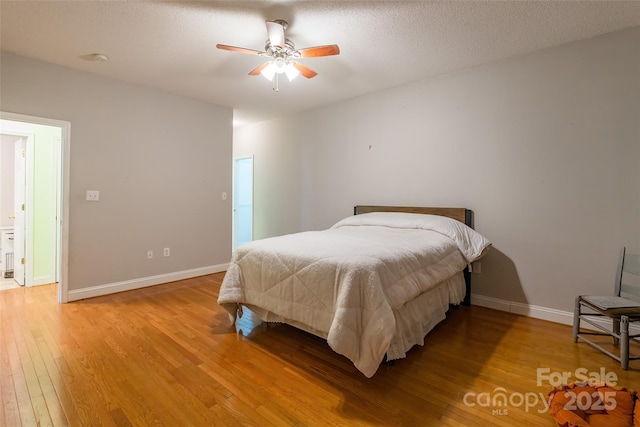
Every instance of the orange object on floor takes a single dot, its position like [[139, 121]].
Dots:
[[588, 405]]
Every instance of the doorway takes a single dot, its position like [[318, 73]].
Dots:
[[242, 201], [35, 209]]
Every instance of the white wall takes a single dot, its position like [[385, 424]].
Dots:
[[544, 148], [160, 162], [276, 171]]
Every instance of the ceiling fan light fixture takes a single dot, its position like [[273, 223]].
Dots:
[[269, 71], [291, 71], [280, 64], [282, 54]]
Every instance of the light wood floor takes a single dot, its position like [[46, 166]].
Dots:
[[8, 283], [167, 355]]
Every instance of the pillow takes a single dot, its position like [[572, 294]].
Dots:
[[472, 244]]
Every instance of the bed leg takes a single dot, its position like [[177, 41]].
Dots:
[[387, 361], [467, 282], [239, 311]]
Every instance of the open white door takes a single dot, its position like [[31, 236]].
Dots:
[[19, 193], [36, 207], [28, 127]]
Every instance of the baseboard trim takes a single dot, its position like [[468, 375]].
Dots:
[[143, 282], [536, 311], [42, 280]]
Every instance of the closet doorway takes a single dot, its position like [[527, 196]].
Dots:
[[32, 200]]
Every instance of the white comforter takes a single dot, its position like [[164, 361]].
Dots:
[[344, 283]]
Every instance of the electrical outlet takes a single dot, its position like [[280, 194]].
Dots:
[[167, 251], [476, 267], [224, 195], [93, 195], [149, 254]]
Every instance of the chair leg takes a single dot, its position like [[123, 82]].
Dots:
[[616, 330], [576, 320], [624, 342]]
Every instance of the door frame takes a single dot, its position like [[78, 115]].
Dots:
[[24, 233], [63, 197]]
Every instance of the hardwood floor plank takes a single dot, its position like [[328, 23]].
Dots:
[[149, 370], [20, 379], [114, 382], [120, 418], [52, 402], [61, 406], [87, 401], [167, 355], [2, 417], [11, 412], [39, 376]]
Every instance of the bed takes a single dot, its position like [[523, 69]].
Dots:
[[373, 285]]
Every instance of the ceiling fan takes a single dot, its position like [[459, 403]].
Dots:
[[282, 55]]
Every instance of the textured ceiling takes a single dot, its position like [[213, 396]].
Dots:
[[171, 45]]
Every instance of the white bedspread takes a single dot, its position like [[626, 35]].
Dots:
[[344, 282]]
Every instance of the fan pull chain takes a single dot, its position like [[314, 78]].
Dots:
[[275, 83]]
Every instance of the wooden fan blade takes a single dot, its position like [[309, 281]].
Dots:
[[276, 33], [304, 70], [258, 69], [239, 49], [314, 52]]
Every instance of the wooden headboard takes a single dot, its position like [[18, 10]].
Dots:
[[460, 214]]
